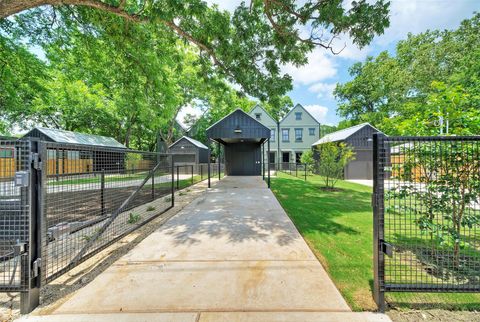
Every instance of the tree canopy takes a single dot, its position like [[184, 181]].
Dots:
[[125, 68], [430, 86]]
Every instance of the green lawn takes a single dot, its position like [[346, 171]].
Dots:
[[338, 227]]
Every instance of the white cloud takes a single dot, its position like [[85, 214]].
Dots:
[[188, 109], [417, 16], [320, 67], [319, 112], [323, 89]]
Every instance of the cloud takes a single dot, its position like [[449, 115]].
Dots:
[[323, 89], [319, 112], [320, 67], [418, 16]]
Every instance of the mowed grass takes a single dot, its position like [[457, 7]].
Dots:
[[338, 227]]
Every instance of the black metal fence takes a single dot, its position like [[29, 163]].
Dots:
[[63, 203], [299, 170], [426, 215]]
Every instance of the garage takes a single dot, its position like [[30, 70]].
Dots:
[[242, 139]]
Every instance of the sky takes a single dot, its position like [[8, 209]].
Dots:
[[313, 83]]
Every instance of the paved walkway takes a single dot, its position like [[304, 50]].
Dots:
[[231, 255]]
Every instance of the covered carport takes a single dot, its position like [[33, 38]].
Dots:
[[243, 139]]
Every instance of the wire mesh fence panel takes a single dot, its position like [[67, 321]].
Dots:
[[427, 204], [298, 170], [94, 196], [14, 214]]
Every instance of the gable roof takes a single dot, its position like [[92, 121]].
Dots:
[[303, 108], [62, 136], [342, 134], [264, 110], [252, 127], [193, 141]]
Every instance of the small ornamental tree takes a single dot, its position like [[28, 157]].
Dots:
[[307, 159], [440, 185], [333, 157]]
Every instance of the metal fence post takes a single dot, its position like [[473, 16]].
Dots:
[[102, 192], [192, 174], [268, 147], [178, 183], [377, 203], [173, 184], [209, 153], [296, 169], [201, 172], [153, 186], [219, 155], [31, 266]]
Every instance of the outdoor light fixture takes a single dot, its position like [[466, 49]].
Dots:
[[237, 130]]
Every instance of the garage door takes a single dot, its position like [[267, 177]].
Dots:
[[184, 158], [359, 170], [242, 159]]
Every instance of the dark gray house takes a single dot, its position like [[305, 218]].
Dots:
[[359, 137], [188, 151], [242, 138]]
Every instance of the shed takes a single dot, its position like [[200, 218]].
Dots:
[[360, 138], [242, 138], [80, 152], [188, 151]]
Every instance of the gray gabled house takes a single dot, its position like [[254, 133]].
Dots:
[[359, 137], [188, 151]]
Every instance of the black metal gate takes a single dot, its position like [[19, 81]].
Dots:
[[426, 205]]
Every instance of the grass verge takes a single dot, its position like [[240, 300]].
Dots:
[[337, 225]]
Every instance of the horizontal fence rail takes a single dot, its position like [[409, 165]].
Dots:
[[63, 203], [299, 170], [426, 214]]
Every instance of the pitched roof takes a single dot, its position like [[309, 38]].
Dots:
[[342, 134], [193, 141], [62, 136], [301, 106], [264, 110]]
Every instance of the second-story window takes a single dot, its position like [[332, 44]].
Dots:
[[311, 131], [258, 116], [285, 137], [272, 135], [298, 116], [298, 135]]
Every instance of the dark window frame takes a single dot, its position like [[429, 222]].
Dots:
[[272, 135], [258, 116], [287, 131], [311, 131], [299, 138], [298, 116]]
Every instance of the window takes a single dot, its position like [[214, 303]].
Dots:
[[298, 135], [258, 116], [7, 153], [298, 116], [272, 135], [311, 131], [285, 137]]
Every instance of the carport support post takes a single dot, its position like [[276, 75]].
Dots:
[[218, 160], [178, 182], [263, 161], [209, 155], [268, 145]]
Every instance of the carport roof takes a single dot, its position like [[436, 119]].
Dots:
[[238, 126]]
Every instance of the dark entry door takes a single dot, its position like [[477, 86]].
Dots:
[[243, 159]]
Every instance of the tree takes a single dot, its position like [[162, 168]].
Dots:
[[408, 93], [333, 157], [247, 47], [307, 159]]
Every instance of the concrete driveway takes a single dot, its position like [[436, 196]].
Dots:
[[231, 255]]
